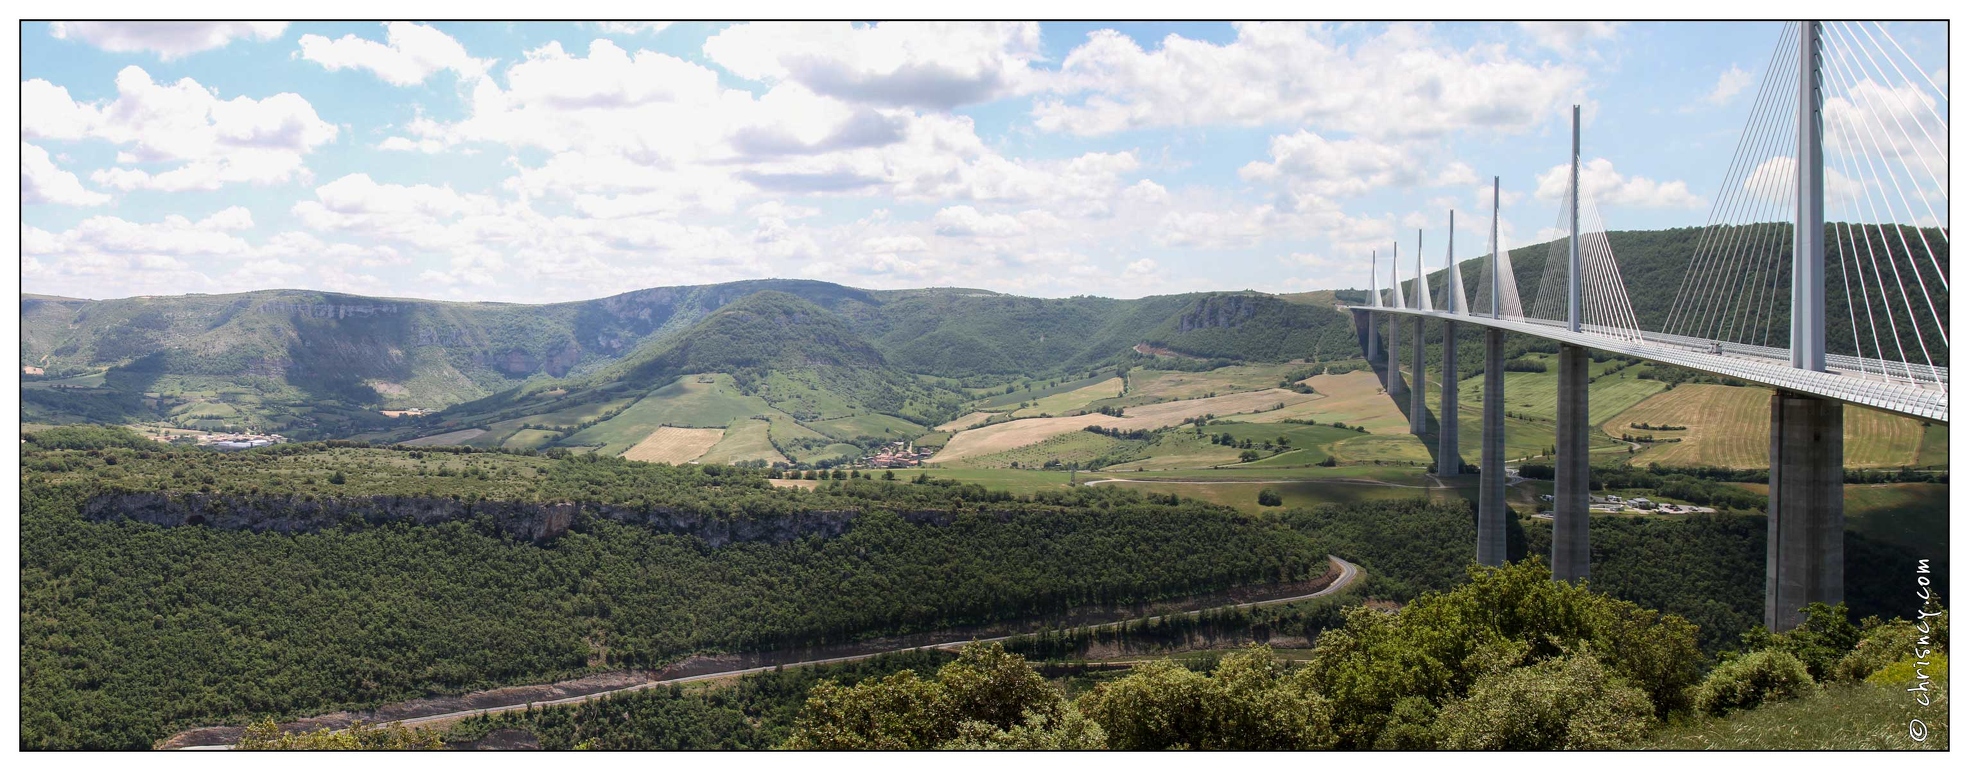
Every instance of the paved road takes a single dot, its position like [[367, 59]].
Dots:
[[1349, 572]]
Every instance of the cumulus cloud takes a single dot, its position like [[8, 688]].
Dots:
[[1732, 82], [168, 39], [1309, 164], [410, 53], [1600, 183], [44, 182], [936, 65], [966, 221], [1400, 83], [214, 141], [1564, 36], [632, 27]]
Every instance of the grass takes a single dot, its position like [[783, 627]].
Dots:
[[1016, 481], [874, 424], [1861, 716], [1911, 515], [1079, 398], [834, 451], [529, 439], [1071, 447], [1934, 447], [674, 445], [746, 439], [692, 401], [1002, 401], [1150, 386], [1730, 426]]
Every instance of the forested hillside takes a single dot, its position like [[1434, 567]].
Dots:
[[134, 629]]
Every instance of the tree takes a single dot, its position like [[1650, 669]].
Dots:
[[265, 735], [1247, 703], [1269, 497], [1571, 703], [987, 698]]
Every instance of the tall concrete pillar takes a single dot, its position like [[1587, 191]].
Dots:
[[1418, 402], [1805, 561], [1449, 460], [1394, 355], [1571, 557], [1490, 487], [1373, 341]]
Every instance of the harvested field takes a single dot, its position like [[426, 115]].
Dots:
[[455, 437], [1059, 404], [673, 445], [1730, 426], [968, 421], [1354, 398], [1019, 433], [745, 440]]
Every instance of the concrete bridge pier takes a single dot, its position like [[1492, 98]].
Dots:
[[1394, 356], [1372, 341], [1805, 558], [1571, 557], [1449, 460], [1490, 487], [1418, 402]]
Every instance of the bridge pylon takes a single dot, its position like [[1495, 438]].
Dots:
[[1806, 550], [1418, 393], [1491, 511]]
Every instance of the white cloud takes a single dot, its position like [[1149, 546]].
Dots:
[[966, 221], [1399, 83], [1564, 36], [260, 141], [1308, 164], [168, 39], [633, 27], [1732, 82], [1601, 184], [411, 52], [896, 64], [44, 182]]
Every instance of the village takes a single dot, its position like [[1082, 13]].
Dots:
[[897, 454]]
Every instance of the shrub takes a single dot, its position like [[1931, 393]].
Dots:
[[1570, 703], [1750, 680], [1247, 703], [1269, 497]]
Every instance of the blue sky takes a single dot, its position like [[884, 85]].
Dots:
[[539, 162]]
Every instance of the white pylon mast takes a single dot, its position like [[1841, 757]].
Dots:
[[1808, 232], [1496, 282], [1572, 241]]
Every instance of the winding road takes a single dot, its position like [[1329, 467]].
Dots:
[[1349, 573]]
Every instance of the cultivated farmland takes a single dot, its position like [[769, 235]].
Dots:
[[673, 445]]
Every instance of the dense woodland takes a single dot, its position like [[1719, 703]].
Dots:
[[131, 630]]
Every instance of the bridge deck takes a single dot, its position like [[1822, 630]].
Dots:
[[1918, 392]]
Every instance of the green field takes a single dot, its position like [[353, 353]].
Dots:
[[692, 401], [529, 439], [873, 424], [1909, 515], [1070, 447], [1003, 400], [1077, 399], [1857, 716], [1151, 386], [746, 439], [1934, 447]]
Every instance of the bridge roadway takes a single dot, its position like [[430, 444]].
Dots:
[[1924, 397]]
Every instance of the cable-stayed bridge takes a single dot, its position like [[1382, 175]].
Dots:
[[1822, 274]]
